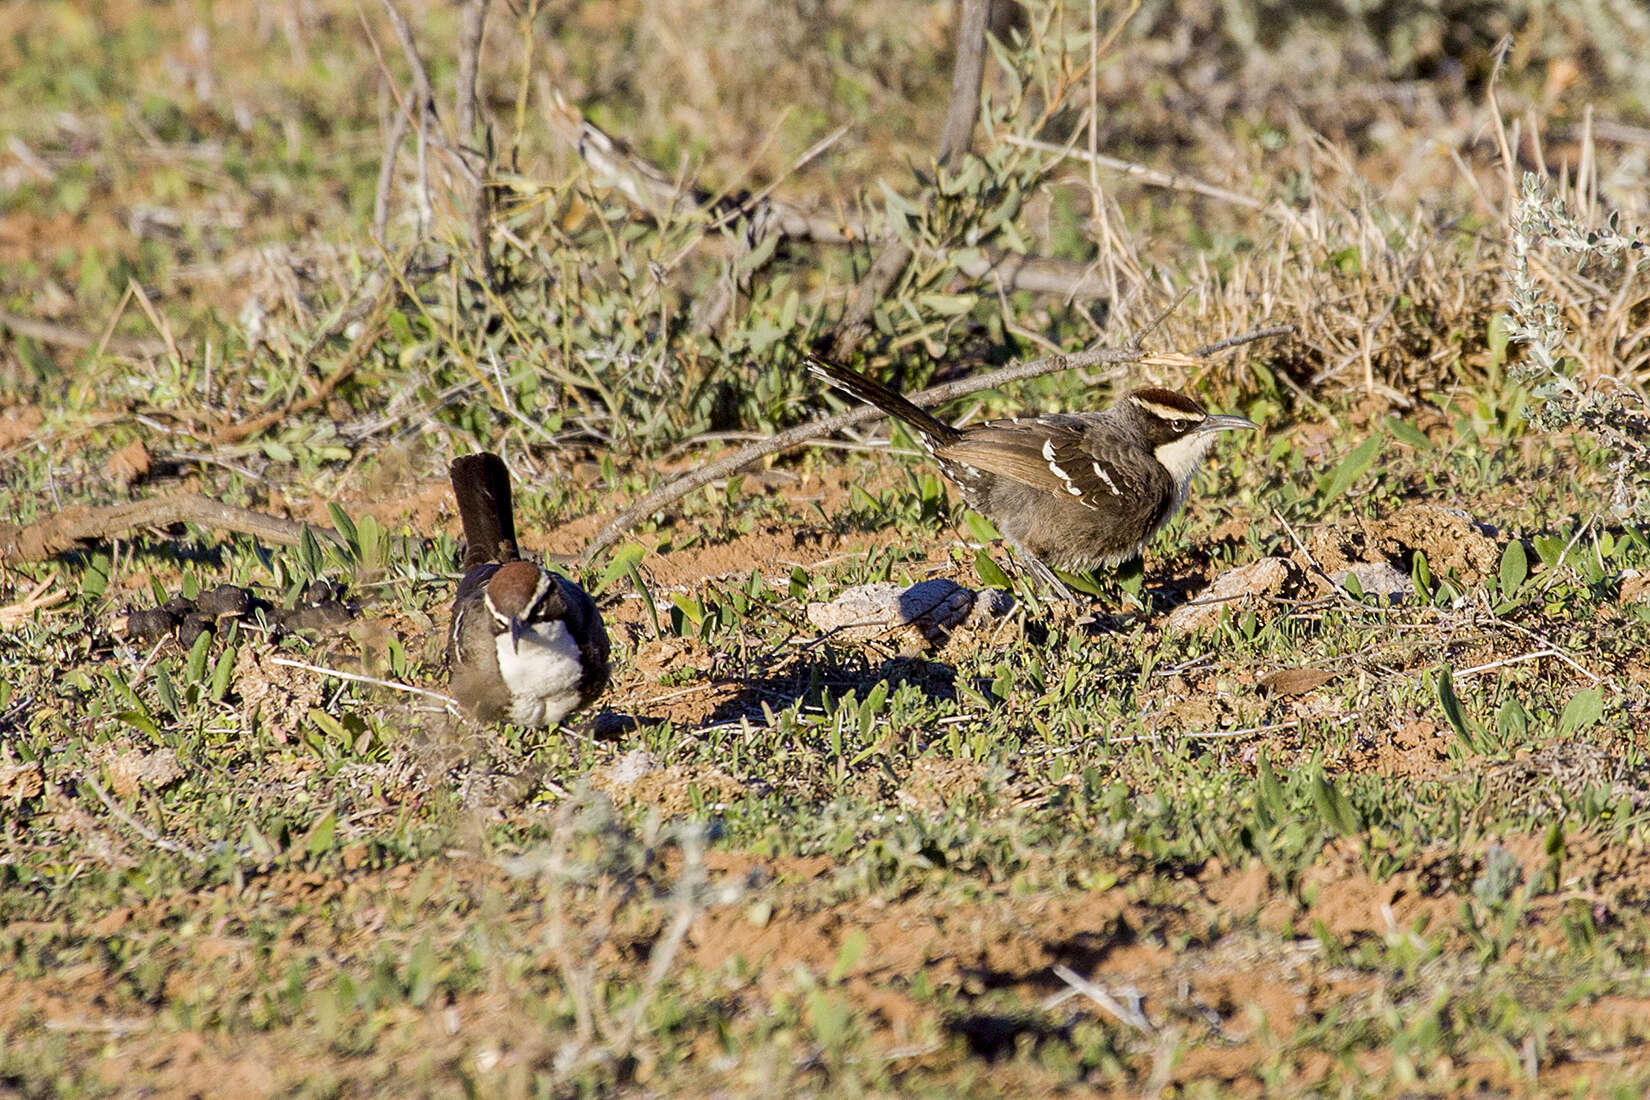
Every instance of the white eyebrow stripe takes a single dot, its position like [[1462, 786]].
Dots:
[[1167, 412]]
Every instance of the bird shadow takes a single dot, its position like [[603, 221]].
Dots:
[[811, 678]]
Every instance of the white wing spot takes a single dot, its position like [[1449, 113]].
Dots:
[[1100, 473], [1048, 453], [1071, 486]]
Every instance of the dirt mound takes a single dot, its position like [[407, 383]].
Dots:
[[1453, 542]]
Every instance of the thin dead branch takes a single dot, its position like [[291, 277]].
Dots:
[[1172, 181], [67, 529], [153, 838], [42, 597], [46, 332]]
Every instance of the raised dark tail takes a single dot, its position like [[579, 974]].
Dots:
[[872, 392], [482, 485]]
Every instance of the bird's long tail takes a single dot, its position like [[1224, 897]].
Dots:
[[937, 433], [482, 485]]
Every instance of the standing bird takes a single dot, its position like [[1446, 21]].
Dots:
[[526, 645], [1069, 490]]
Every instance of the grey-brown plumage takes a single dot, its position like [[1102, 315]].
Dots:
[[1070, 490], [526, 645]]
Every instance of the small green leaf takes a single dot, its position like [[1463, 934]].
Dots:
[[165, 692], [309, 552], [620, 564], [1333, 806], [194, 669], [1132, 575], [829, 1016], [322, 834], [1087, 583], [421, 966], [1512, 722], [139, 721], [947, 305], [1453, 711], [990, 573], [1420, 574], [329, 725], [980, 527], [343, 524], [1270, 790], [371, 542], [1405, 432], [1550, 549], [1584, 708], [1515, 566], [1350, 470], [853, 947], [691, 608]]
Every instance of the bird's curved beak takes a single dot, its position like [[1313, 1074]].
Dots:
[[517, 629], [1226, 422]]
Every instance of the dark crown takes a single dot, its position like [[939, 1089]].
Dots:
[[516, 589], [1168, 405], [1164, 414]]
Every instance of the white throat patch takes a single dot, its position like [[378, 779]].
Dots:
[[1182, 457], [542, 673]]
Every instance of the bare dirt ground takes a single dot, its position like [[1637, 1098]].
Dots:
[[1236, 826]]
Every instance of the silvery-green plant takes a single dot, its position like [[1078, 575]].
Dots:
[[1606, 406]]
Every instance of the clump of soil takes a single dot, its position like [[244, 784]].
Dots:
[[1454, 544], [637, 779]]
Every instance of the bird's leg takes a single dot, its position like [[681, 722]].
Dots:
[[1032, 564]]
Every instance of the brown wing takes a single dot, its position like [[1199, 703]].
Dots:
[[1046, 453]]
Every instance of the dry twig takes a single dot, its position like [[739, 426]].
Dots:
[[79, 523]]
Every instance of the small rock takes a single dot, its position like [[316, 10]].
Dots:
[[331, 615], [129, 771], [629, 768], [322, 592], [990, 605], [20, 780], [226, 599], [1378, 578], [933, 608], [1293, 681], [193, 626], [179, 605], [1635, 586], [1235, 588], [149, 623]]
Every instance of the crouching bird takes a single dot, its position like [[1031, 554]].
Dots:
[[526, 645], [1074, 491]]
